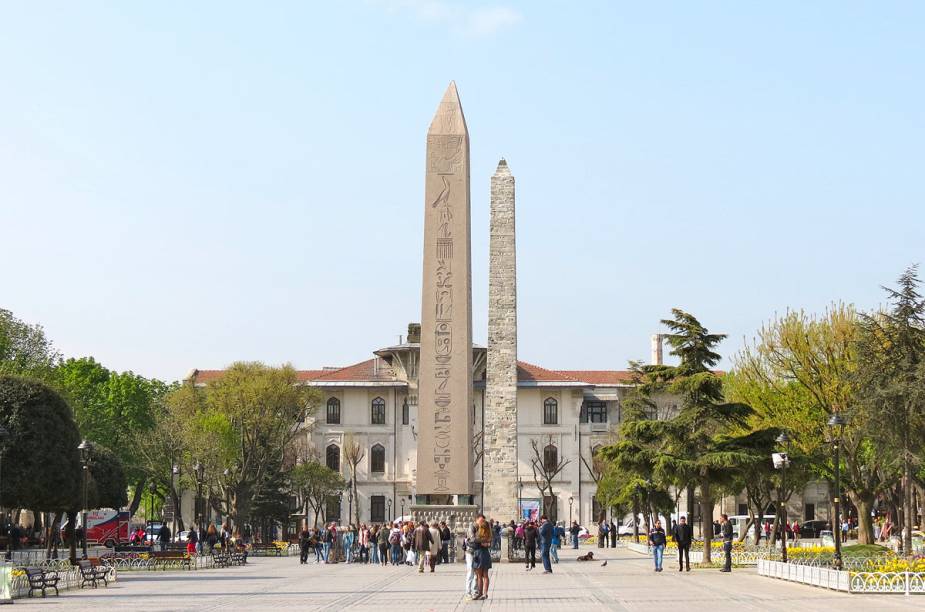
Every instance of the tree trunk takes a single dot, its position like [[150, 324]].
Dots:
[[907, 506], [863, 503], [136, 498], [706, 513]]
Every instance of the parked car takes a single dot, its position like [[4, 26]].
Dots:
[[813, 529], [152, 530]]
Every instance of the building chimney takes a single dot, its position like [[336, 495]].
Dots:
[[657, 349], [414, 333]]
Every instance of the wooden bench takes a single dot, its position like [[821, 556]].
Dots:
[[170, 558], [41, 580], [89, 574]]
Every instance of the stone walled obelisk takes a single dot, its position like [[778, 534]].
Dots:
[[500, 432], [444, 461]]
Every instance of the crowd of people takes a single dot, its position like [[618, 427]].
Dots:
[[426, 546]]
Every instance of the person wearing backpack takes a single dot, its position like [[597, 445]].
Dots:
[[395, 543], [382, 539]]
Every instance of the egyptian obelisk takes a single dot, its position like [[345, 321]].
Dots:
[[444, 462], [501, 386]]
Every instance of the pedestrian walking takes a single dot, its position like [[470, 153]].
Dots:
[[328, 541], [395, 544], [726, 530], [481, 558], [192, 538], [683, 535], [657, 542], [163, 537], [422, 542], [445, 537], [304, 544], [556, 541], [436, 545], [468, 552], [614, 534], [546, 534], [574, 530], [530, 535]]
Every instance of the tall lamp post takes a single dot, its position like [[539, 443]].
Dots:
[[174, 481], [200, 471], [403, 508], [151, 488], [636, 490], [837, 422], [350, 501], [389, 503], [84, 449], [570, 501], [4, 435], [520, 499], [783, 460]]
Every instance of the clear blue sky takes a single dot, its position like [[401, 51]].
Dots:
[[184, 184]]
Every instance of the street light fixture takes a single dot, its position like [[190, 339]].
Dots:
[[4, 436], [389, 503], [174, 481], [200, 471], [837, 422], [84, 449], [570, 500], [402, 508], [783, 460], [151, 489], [520, 499]]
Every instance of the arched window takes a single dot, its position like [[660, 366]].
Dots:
[[332, 457], [377, 459], [333, 411], [550, 412], [378, 411], [550, 458]]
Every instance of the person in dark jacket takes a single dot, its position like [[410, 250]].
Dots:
[[657, 542], [574, 530], [422, 542], [163, 536], [530, 535], [726, 530], [683, 535], [445, 537], [546, 542], [613, 534]]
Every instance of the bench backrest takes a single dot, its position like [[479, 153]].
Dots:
[[34, 571], [84, 564]]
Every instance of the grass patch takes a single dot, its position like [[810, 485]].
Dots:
[[864, 550]]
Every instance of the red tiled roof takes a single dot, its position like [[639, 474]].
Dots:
[[601, 377], [527, 372], [365, 371]]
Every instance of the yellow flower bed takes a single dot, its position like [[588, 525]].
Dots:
[[896, 565], [810, 551], [281, 544]]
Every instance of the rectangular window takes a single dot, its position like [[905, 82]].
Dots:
[[332, 508], [743, 509], [405, 416], [593, 412], [809, 512], [378, 412], [377, 508], [550, 413]]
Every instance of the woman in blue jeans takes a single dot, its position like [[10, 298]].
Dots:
[[657, 542]]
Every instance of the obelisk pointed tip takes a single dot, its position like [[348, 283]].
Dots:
[[449, 118], [503, 167]]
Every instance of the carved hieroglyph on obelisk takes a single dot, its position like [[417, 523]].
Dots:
[[444, 463], [501, 386]]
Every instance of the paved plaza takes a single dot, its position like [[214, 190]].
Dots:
[[626, 583]]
